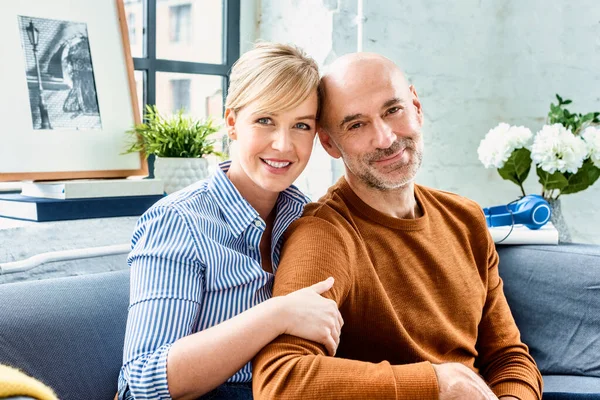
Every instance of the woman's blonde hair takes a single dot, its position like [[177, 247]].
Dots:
[[278, 76]]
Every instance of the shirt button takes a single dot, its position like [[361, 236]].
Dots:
[[252, 248], [258, 223]]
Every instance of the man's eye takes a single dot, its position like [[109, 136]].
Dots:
[[264, 121], [355, 126], [393, 110], [302, 125]]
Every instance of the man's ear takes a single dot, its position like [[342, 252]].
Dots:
[[328, 144], [230, 117], [417, 103]]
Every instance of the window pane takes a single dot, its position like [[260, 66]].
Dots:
[[190, 30], [140, 84], [200, 95], [134, 12]]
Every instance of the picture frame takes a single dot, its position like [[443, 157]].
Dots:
[[69, 93]]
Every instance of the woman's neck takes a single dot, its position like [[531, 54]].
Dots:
[[261, 200]]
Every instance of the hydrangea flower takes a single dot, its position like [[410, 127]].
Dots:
[[555, 148], [591, 135], [499, 143]]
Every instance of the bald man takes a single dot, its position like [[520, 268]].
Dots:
[[416, 271]]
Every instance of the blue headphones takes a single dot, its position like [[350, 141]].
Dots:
[[531, 210]]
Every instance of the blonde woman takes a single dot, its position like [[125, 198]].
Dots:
[[203, 259]]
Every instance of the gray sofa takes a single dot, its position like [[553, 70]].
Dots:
[[68, 332], [554, 295]]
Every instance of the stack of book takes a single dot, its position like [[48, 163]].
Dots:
[[81, 199]]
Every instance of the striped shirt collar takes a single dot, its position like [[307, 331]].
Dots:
[[236, 210]]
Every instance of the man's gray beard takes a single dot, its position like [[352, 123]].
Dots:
[[369, 179]]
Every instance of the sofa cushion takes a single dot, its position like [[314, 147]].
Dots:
[[554, 295], [571, 384], [67, 332], [570, 396]]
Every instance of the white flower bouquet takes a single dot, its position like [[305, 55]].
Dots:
[[565, 152]]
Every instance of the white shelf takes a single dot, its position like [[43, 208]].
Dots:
[[520, 234]]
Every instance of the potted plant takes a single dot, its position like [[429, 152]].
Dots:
[[565, 153], [180, 144]]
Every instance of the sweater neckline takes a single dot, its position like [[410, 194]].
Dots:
[[385, 219]]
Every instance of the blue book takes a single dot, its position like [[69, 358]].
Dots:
[[41, 209]]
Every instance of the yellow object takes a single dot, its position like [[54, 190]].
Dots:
[[15, 383]]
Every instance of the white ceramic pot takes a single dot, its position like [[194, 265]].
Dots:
[[178, 173]]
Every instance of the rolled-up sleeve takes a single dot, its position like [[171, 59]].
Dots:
[[165, 299]]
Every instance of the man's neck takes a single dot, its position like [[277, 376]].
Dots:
[[398, 203]]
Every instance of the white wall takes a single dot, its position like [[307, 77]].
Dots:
[[474, 64]]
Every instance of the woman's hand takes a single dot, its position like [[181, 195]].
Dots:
[[311, 316]]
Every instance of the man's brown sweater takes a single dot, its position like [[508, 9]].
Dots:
[[412, 292]]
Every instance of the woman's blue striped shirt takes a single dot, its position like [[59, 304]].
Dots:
[[195, 262]]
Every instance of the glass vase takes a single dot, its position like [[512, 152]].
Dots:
[[558, 220]]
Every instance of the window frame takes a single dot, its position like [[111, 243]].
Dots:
[[149, 64]]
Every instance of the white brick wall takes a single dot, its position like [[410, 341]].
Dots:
[[474, 64]]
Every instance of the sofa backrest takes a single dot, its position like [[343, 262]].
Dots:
[[67, 332], [554, 296]]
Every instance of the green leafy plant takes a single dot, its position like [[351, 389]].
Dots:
[[173, 136], [506, 148], [574, 122], [516, 169], [565, 152], [556, 182]]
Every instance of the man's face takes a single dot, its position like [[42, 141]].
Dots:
[[372, 119]]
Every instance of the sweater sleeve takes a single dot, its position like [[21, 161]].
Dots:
[[294, 368], [165, 298], [504, 361]]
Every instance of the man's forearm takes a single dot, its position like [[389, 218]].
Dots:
[[512, 371], [516, 389], [504, 359], [293, 368]]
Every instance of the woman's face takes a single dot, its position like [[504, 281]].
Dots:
[[273, 148]]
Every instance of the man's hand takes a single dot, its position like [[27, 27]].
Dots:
[[458, 382]]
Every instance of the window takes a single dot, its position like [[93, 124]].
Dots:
[[131, 26], [182, 52], [194, 92], [180, 23], [180, 94], [134, 10]]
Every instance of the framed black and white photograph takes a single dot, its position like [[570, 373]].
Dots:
[[68, 91], [62, 89]]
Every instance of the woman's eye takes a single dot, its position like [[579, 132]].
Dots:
[[264, 121], [302, 125]]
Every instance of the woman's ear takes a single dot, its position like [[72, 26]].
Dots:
[[230, 117]]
